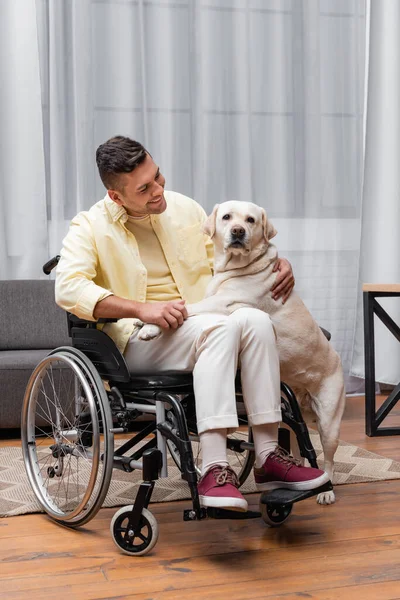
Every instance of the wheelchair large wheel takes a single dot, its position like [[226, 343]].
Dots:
[[66, 437], [240, 453]]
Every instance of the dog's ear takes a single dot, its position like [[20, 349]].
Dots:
[[209, 224], [268, 228]]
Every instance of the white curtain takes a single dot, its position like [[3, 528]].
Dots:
[[380, 240], [23, 216], [235, 99]]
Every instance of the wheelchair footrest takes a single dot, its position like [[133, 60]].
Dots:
[[283, 496], [222, 513]]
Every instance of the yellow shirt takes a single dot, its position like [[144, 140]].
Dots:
[[161, 286], [100, 257]]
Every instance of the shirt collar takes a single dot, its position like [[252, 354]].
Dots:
[[117, 212]]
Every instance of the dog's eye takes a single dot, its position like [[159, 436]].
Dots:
[[226, 217], [250, 220]]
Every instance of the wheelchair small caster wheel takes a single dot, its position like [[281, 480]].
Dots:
[[51, 472], [275, 515], [138, 542]]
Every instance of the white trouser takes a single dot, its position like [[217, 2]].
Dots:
[[212, 346]]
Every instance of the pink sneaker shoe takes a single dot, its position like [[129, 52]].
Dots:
[[281, 470], [218, 488]]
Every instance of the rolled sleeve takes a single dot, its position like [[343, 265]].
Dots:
[[91, 295]]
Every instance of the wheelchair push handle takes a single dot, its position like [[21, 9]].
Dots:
[[49, 266]]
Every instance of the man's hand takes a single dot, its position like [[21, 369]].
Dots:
[[165, 314], [284, 282]]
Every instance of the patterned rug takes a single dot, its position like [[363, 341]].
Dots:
[[353, 465]]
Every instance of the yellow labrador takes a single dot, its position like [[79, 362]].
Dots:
[[243, 276]]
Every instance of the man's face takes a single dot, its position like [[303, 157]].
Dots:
[[143, 191]]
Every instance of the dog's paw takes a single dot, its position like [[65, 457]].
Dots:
[[149, 332], [326, 497]]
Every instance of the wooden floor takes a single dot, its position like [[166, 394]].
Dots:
[[350, 550]]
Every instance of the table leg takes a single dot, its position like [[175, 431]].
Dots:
[[369, 357]]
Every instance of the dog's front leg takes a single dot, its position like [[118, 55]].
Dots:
[[149, 331]]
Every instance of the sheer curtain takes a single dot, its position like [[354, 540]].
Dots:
[[380, 241], [256, 100], [23, 217]]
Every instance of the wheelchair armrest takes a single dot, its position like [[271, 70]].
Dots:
[[74, 321], [77, 321], [107, 320]]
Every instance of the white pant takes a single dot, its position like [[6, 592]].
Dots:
[[212, 346]]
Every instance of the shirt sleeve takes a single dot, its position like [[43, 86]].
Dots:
[[75, 290], [207, 240]]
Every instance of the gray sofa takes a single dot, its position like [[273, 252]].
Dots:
[[31, 324]]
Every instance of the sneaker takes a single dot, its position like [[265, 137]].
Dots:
[[281, 470], [218, 488]]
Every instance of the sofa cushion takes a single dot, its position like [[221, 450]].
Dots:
[[30, 318]]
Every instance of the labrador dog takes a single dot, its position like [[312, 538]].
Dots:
[[243, 277]]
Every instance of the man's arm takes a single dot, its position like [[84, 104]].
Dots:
[[165, 314], [77, 293]]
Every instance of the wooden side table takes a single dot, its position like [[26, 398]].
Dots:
[[374, 418]]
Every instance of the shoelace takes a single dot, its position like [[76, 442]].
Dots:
[[225, 475], [284, 457]]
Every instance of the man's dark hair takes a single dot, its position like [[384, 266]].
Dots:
[[118, 155]]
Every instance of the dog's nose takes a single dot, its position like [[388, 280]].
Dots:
[[238, 231]]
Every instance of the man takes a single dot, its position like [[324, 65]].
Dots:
[[140, 253]]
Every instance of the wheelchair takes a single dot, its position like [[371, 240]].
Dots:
[[80, 397]]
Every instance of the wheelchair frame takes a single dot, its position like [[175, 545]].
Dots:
[[169, 397]]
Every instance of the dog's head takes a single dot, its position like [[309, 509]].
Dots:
[[239, 227]]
